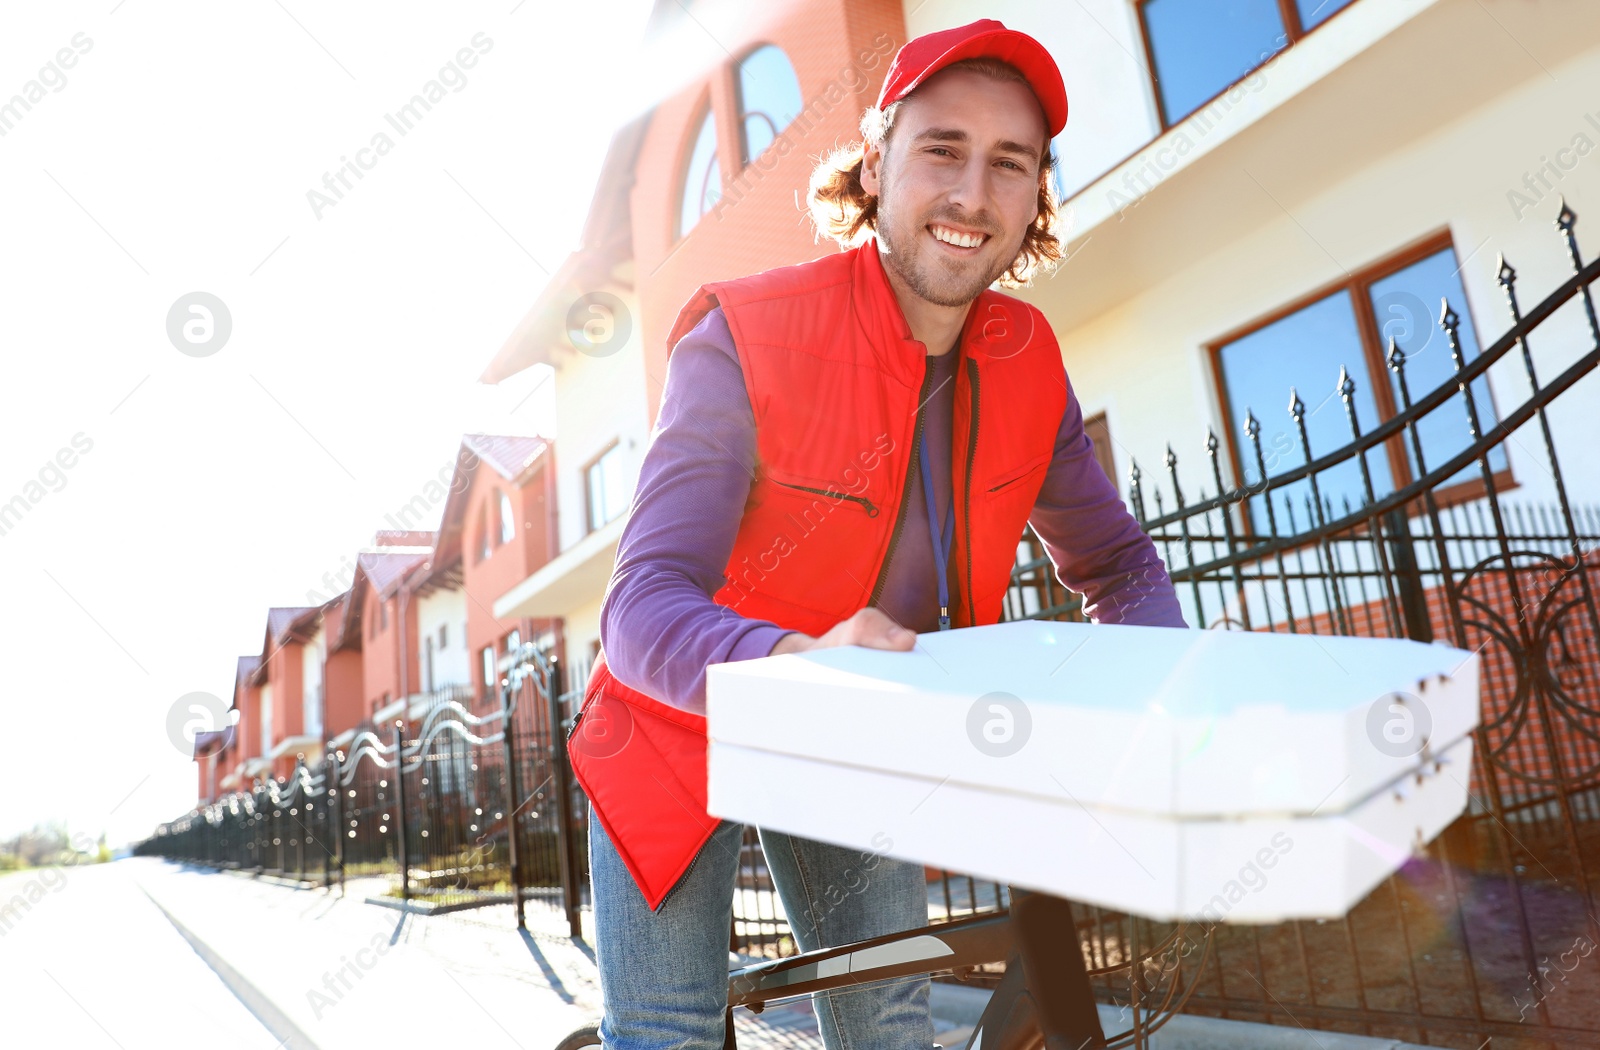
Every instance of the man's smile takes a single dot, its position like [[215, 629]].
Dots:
[[961, 242]]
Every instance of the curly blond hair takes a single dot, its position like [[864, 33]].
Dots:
[[841, 209]]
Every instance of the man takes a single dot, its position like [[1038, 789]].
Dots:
[[846, 454]]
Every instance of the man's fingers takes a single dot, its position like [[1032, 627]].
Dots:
[[875, 629]]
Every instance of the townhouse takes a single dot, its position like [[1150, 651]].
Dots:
[[414, 628], [1253, 201]]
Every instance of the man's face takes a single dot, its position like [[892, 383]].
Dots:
[[962, 164]]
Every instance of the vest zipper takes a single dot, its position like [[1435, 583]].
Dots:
[[905, 488], [966, 495], [872, 508]]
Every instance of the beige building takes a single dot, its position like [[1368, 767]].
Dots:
[[1249, 206]]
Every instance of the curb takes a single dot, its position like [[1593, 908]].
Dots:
[[288, 1034]]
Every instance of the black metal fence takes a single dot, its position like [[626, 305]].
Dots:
[[1489, 936], [447, 809]]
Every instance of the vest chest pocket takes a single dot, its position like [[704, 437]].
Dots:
[[817, 489], [1011, 479]]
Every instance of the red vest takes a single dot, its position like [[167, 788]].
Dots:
[[834, 378]]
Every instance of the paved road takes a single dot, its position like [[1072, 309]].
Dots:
[[87, 961]]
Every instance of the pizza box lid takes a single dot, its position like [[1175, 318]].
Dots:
[[1182, 724]]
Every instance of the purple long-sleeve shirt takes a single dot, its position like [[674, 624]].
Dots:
[[659, 626]]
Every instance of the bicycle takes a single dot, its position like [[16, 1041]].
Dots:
[[1045, 1001]]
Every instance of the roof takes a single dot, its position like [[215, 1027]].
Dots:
[[242, 674], [211, 741], [281, 620], [403, 538], [511, 457], [384, 570], [607, 241]]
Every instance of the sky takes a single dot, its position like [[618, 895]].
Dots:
[[222, 365]]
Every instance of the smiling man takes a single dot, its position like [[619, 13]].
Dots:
[[847, 453]]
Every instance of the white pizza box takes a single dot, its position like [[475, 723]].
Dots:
[[1240, 776]]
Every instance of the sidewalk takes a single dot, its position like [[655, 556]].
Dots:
[[327, 973], [323, 972]]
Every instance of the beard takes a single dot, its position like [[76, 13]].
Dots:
[[939, 279]]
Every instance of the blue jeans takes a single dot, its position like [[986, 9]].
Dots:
[[664, 974]]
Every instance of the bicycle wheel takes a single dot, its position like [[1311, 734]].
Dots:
[[588, 1035]]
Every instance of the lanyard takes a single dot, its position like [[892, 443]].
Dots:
[[941, 540]]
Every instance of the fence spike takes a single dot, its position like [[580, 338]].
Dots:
[[1347, 386], [1566, 219], [1252, 425], [1397, 356], [1448, 318], [1504, 272], [1297, 407]]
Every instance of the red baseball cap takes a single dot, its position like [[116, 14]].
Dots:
[[919, 59]]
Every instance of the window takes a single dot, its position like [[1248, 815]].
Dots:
[[508, 521], [1199, 48], [1315, 12], [605, 487], [484, 549], [383, 615], [769, 99], [266, 718], [1350, 326], [702, 178], [444, 637], [490, 678], [1100, 433], [513, 642]]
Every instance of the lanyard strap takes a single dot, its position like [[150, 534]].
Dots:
[[942, 537]]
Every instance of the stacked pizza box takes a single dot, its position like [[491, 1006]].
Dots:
[[1176, 774]]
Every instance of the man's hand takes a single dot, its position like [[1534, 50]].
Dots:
[[869, 627]]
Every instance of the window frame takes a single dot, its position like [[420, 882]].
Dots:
[[588, 491], [705, 109], [739, 110], [1102, 454], [484, 534], [486, 665], [506, 512], [1293, 33], [1374, 356]]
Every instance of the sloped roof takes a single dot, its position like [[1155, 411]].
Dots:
[[212, 741], [403, 538], [384, 570], [242, 675], [283, 619], [511, 457], [607, 241]]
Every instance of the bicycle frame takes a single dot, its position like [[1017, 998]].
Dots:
[[1045, 998]]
